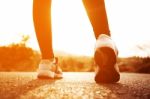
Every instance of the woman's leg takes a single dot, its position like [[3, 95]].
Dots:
[[105, 55], [42, 24], [97, 14]]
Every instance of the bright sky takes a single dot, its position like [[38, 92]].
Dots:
[[129, 22]]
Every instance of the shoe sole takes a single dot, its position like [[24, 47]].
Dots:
[[58, 76], [46, 74], [107, 72]]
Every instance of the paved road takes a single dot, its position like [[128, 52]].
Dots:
[[18, 85]]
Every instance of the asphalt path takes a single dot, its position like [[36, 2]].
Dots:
[[77, 85]]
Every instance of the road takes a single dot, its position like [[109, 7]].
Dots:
[[79, 85]]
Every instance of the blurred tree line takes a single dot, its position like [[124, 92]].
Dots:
[[134, 64], [19, 57]]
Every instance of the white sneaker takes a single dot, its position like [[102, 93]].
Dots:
[[106, 59], [49, 69]]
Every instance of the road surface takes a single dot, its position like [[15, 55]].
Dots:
[[25, 85]]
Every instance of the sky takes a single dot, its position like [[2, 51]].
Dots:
[[129, 22]]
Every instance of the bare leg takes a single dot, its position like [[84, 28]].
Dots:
[[105, 55], [97, 15], [42, 24]]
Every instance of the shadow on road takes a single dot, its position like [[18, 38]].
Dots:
[[31, 85]]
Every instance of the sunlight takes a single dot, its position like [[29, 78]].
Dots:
[[69, 23], [72, 31]]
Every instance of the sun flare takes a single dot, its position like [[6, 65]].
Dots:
[[72, 31]]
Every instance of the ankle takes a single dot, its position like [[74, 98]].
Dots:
[[101, 36]]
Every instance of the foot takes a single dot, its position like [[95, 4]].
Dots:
[[105, 57], [49, 69]]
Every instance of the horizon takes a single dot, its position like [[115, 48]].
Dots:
[[129, 26]]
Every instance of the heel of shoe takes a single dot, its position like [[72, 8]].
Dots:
[[106, 59]]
